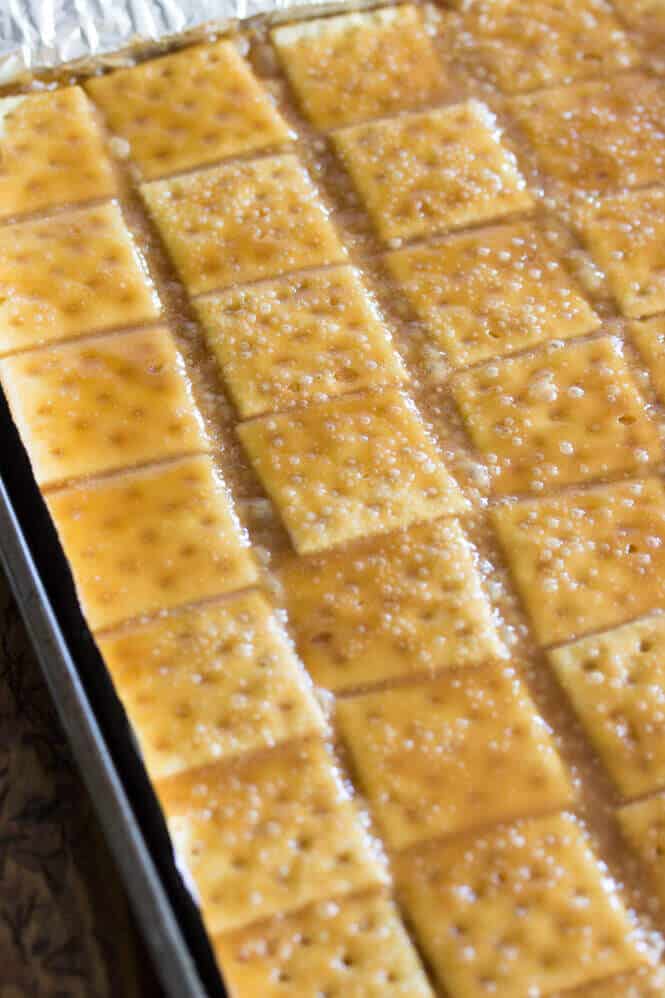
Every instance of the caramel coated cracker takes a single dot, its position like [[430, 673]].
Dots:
[[242, 222], [437, 759], [410, 601], [626, 235], [598, 136], [556, 417], [615, 681], [51, 151], [362, 65], [150, 540], [76, 273], [490, 292], [268, 835], [188, 109], [428, 172], [297, 338], [102, 404], [587, 560], [521, 909], [211, 682], [352, 946], [522, 45], [351, 467]]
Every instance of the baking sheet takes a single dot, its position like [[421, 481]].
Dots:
[[98, 731]]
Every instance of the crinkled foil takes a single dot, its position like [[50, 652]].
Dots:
[[43, 34]]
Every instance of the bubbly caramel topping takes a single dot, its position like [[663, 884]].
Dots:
[[357, 66], [568, 414], [523, 908], [490, 292], [408, 602], [188, 109], [349, 468], [242, 222], [616, 682], [601, 135], [51, 152], [76, 273], [521, 45], [209, 683], [350, 946], [268, 834], [433, 171], [301, 337]]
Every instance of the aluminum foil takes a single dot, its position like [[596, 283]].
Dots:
[[39, 34]]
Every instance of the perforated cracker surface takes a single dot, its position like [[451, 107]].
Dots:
[[188, 109], [436, 759], [564, 415], [521, 45], [522, 909], [349, 468], [77, 273], [433, 171], [362, 65], [241, 222], [600, 135], [149, 540], [412, 601], [587, 560], [209, 683], [298, 338], [102, 404], [490, 292], [354, 946], [625, 235], [643, 824], [258, 841], [51, 151], [616, 682]]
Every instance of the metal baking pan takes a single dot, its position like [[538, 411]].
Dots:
[[98, 730]]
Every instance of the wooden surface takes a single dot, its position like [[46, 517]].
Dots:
[[65, 928]]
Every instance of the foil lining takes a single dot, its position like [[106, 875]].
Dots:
[[45, 34]]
